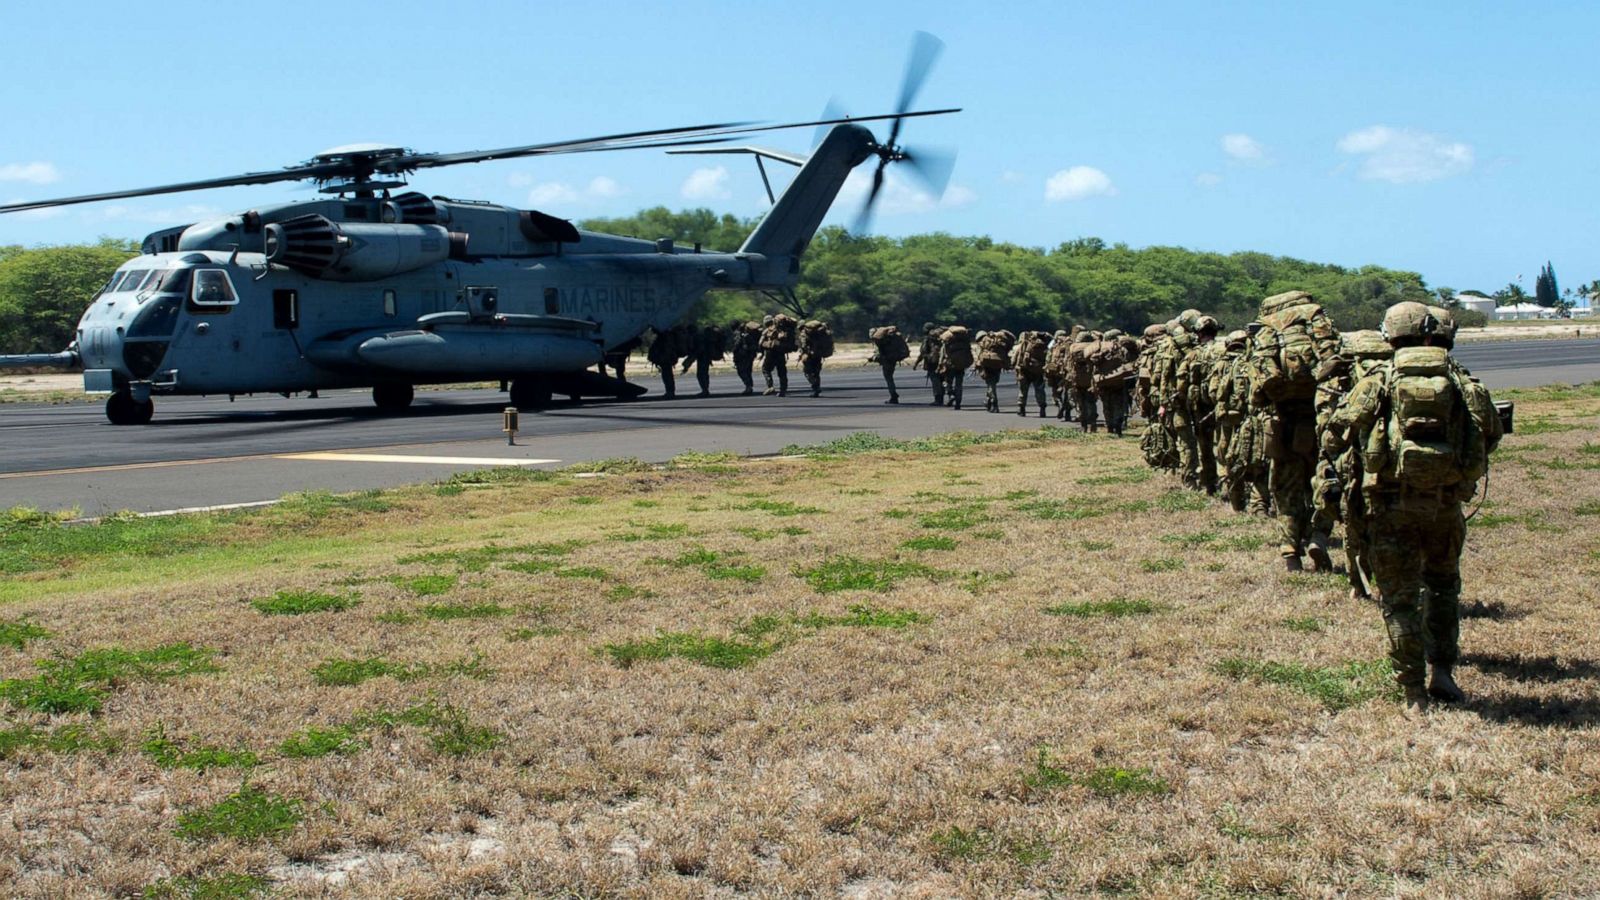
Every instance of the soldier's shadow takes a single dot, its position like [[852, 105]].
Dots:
[[1559, 712]]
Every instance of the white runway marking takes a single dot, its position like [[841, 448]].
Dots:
[[430, 460]]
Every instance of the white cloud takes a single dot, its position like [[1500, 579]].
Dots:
[[1078, 183], [707, 184], [559, 193], [1244, 148], [899, 196], [1208, 179], [1405, 155], [31, 172], [603, 188]]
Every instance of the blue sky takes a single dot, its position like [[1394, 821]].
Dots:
[[1456, 139]]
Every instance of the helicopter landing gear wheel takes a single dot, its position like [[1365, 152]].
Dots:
[[531, 392], [392, 397], [122, 409]]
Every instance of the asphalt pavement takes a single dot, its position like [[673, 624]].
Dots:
[[207, 451]]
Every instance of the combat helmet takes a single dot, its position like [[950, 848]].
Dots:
[[1237, 339], [1085, 337], [1410, 322], [1205, 324], [1367, 344], [1190, 319], [1447, 330], [927, 327], [980, 335], [766, 320], [1154, 332], [1111, 334]]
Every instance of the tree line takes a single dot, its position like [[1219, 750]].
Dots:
[[855, 283]]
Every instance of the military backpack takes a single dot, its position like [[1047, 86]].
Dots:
[[1032, 353], [781, 335], [891, 344], [1440, 425], [956, 355], [1296, 336], [994, 350], [816, 339]]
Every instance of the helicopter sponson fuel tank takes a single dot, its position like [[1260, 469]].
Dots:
[[450, 342], [322, 248]]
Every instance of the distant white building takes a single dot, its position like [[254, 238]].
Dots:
[[1484, 305], [1522, 311], [1582, 305]]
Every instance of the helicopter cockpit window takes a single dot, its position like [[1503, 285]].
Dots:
[[149, 282], [212, 291], [131, 280], [174, 281]]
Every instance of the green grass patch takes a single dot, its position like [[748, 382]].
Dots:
[[1242, 543], [1070, 510], [234, 886], [591, 573], [898, 513], [781, 508], [353, 671], [716, 460], [1161, 564], [977, 582], [1107, 781], [313, 742], [620, 592], [250, 814], [862, 615], [299, 603], [1587, 508], [1543, 425], [653, 531], [445, 612], [518, 635], [615, 465], [849, 573], [1191, 540], [16, 635], [318, 505], [584, 500], [869, 442], [1336, 687], [756, 534], [749, 574], [1179, 500], [1117, 608], [1304, 625], [427, 585], [1095, 546], [477, 559], [73, 738], [533, 566], [81, 683], [953, 518], [500, 475], [716, 652], [1131, 475], [929, 542], [170, 754], [31, 541]]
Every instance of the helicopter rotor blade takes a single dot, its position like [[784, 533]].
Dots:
[[932, 166], [925, 50], [293, 173], [863, 223]]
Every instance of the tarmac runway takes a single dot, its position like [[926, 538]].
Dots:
[[206, 452]]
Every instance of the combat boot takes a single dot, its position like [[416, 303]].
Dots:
[[1416, 698], [1291, 564], [1320, 560], [1442, 685], [1041, 411], [1022, 410]]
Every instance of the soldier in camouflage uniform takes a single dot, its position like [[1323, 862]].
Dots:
[[1425, 430], [1080, 378], [889, 348], [816, 345], [955, 357], [1030, 356], [1056, 374], [1296, 337], [1114, 372], [746, 338], [1336, 487], [1159, 443], [1173, 393], [928, 359], [778, 340], [663, 353], [993, 357], [1194, 370], [706, 345]]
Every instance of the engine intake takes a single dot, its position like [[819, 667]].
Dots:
[[322, 248]]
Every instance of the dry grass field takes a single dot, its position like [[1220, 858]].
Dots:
[[967, 667]]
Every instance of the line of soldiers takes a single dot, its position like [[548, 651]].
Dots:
[[1087, 370], [1383, 431], [770, 341]]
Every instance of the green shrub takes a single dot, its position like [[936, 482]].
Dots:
[[718, 653], [250, 814], [848, 573], [299, 603]]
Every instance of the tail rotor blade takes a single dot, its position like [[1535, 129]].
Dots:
[[864, 218]]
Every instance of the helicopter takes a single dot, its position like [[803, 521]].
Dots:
[[373, 286]]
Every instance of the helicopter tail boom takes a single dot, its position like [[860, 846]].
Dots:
[[786, 231], [66, 359]]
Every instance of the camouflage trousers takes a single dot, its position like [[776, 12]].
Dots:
[[1292, 449], [1058, 391], [1205, 439], [991, 388], [1024, 382], [953, 382], [1415, 552], [1327, 500], [937, 381], [1188, 452], [1245, 477], [773, 362], [888, 379], [1114, 407], [1083, 399], [702, 374], [745, 367], [668, 384], [811, 368]]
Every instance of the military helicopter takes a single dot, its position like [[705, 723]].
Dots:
[[374, 287]]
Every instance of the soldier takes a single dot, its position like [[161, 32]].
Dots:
[[1425, 430], [617, 357], [706, 345], [1056, 374], [816, 345], [1336, 486], [1080, 377], [928, 359], [1295, 338], [665, 349], [889, 348], [1194, 371], [746, 347], [778, 340], [1114, 371], [994, 357], [955, 357], [1029, 359], [1158, 444]]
